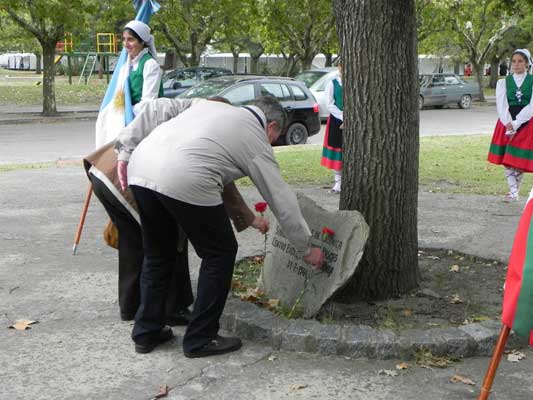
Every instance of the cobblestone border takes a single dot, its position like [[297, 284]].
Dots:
[[251, 322]]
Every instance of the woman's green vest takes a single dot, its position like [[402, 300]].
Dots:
[[136, 80]]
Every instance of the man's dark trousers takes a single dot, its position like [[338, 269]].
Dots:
[[209, 231], [131, 255]]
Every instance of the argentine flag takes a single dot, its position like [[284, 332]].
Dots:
[[116, 110]]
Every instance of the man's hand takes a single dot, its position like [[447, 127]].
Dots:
[[315, 257], [261, 224], [122, 171]]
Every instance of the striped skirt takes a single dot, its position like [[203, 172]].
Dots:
[[332, 150]]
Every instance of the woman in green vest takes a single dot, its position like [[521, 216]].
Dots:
[[512, 141], [145, 74], [332, 150]]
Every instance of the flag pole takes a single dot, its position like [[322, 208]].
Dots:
[[494, 362], [82, 218]]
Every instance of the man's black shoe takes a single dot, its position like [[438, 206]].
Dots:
[[180, 317], [127, 316], [219, 345], [149, 342]]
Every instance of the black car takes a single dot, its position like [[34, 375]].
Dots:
[[179, 80], [297, 100]]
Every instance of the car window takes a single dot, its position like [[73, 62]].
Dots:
[[186, 78], [276, 90], [320, 84], [240, 95], [438, 80], [205, 89], [310, 77], [452, 80], [208, 74], [299, 94]]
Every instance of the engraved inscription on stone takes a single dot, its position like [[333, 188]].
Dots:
[[286, 276]]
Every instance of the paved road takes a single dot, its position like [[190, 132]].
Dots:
[[40, 142], [447, 121]]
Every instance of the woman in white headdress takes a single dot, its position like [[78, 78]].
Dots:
[[141, 72], [512, 141], [145, 73]]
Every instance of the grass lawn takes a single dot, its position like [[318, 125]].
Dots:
[[453, 164], [25, 88]]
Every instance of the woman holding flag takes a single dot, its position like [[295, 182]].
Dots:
[[512, 141]]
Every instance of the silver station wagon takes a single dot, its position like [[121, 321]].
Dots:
[[439, 90]]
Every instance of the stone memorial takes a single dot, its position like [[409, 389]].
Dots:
[[287, 277]]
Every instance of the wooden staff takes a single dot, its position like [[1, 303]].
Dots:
[[494, 362], [82, 218]]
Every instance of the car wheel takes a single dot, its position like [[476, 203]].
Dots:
[[466, 101], [296, 134], [420, 102]]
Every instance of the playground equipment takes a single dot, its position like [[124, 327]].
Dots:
[[106, 46]]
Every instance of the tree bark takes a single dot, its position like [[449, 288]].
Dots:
[[494, 64], [49, 73], [381, 143], [478, 69], [38, 63]]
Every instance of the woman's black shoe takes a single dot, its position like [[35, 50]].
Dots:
[[146, 343], [219, 345], [179, 318]]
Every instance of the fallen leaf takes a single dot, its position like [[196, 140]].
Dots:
[[22, 324], [515, 356], [272, 358], [162, 392], [297, 386], [454, 268], [388, 372], [403, 365], [462, 379], [273, 303], [456, 299], [434, 257], [407, 312]]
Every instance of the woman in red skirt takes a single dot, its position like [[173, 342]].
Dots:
[[332, 150], [512, 141]]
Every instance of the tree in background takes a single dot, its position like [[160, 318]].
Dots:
[[380, 172], [300, 28], [47, 22], [190, 26]]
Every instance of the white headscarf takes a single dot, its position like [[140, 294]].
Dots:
[[143, 30], [525, 53]]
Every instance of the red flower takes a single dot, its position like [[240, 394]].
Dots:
[[326, 231], [261, 207]]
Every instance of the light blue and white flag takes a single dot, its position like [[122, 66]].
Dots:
[[116, 110]]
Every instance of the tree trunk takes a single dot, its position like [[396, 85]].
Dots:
[[254, 62], [494, 64], [49, 94], [381, 142], [235, 54], [38, 62], [329, 60], [478, 69], [170, 60]]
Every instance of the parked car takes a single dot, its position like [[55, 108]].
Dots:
[[297, 100], [179, 80], [441, 89], [310, 76]]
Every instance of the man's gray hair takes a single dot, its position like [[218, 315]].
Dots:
[[273, 110]]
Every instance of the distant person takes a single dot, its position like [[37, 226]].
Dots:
[[468, 69], [503, 69], [512, 141], [332, 149]]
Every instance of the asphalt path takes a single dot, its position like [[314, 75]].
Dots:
[[42, 142]]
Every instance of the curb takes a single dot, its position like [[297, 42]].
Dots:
[[28, 118], [359, 341]]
